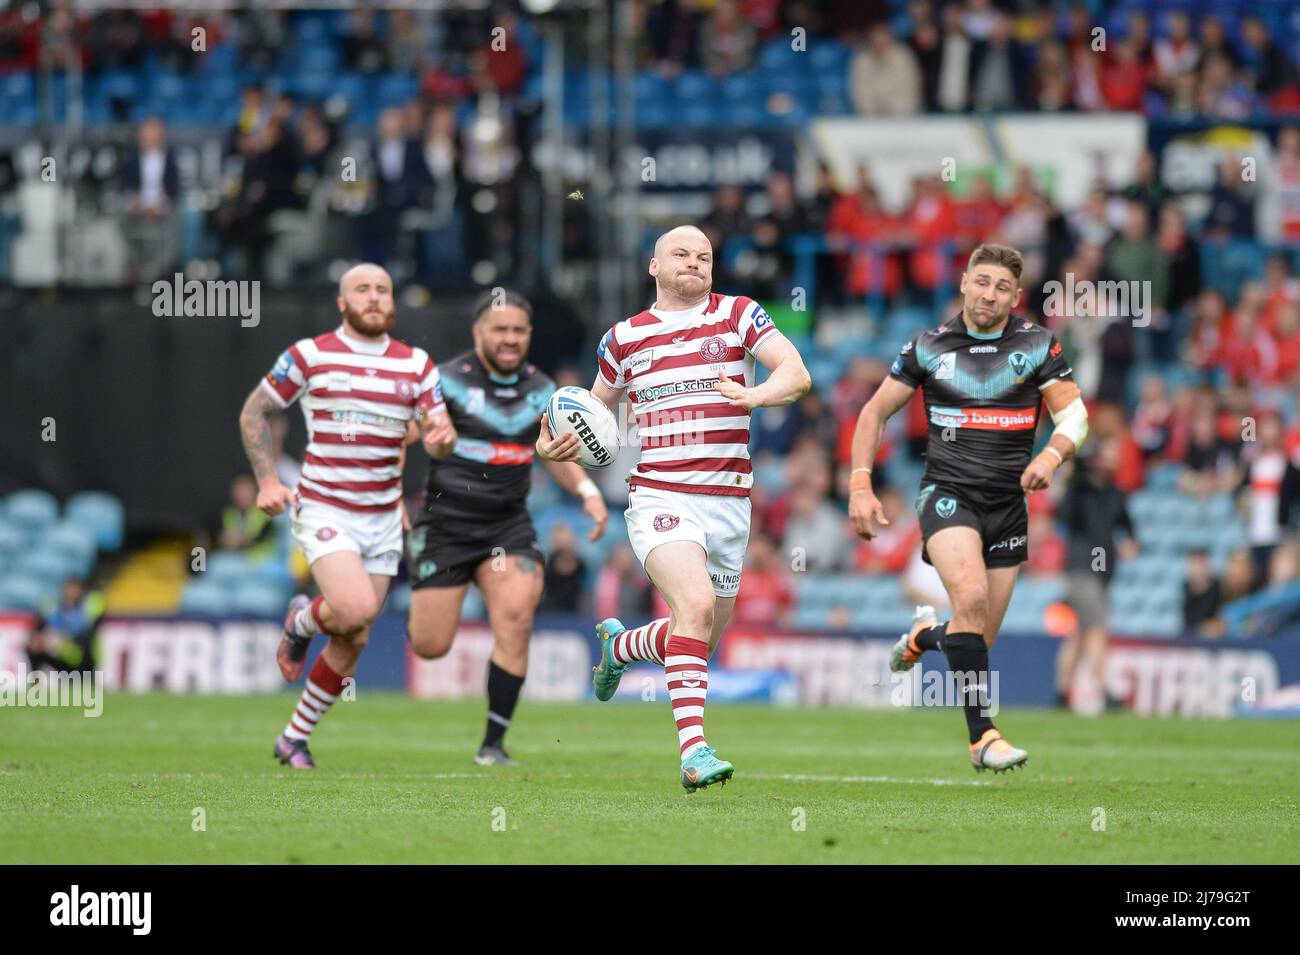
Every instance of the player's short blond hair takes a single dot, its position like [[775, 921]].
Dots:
[[1003, 255]]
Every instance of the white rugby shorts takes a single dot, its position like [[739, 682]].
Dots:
[[321, 529], [717, 522]]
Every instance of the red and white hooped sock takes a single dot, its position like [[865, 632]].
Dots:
[[307, 622], [686, 664], [647, 643], [322, 689]]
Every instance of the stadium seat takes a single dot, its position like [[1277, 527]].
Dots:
[[649, 85], [101, 514], [318, 58], [22, 592], [18, 86], [813, 618], [205, 596], [399, 599], [742, 87], [694, 87], [120, 84], [228, 567], [73, 539], [393, 89], [32, 510], [828, 55], [741, 115], [310, 83], [473, 608], [778, 56], [50, 565], [654, 116], [312, 29], [12, 538], [274, 571], [259, 597]]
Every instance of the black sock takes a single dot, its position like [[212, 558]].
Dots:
[[968, 659], [928, 639], [503, 693]]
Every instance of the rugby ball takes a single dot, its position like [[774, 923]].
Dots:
[[577, 411]]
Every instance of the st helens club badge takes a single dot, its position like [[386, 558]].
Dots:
[[666, 522]]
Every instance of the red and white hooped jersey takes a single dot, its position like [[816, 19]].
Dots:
[[357, 398], [691, 438]]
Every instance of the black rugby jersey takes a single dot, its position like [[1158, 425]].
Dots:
[[983, 395], [497, 422]]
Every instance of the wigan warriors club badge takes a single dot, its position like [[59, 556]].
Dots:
[[713, 350], [666, 522]]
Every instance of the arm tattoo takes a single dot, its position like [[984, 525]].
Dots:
[[256, 432]]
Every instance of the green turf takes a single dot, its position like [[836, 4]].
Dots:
[[598, 783]]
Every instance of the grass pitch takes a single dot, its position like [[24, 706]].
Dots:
[[598, 783]]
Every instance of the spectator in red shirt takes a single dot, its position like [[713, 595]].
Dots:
[[978, 215], [1123, 79], [1248, 353], [931, 223], [858, 219], [890, 551], [1046, 548], [1286, 336], [1279, 287], [502, 65], [766, 596]]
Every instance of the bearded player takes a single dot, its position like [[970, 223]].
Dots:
[[687, 364], [475, 524], [359, 388], [984, 375]]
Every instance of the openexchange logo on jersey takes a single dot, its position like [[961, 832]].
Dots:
[[678, 388], [103, 908]]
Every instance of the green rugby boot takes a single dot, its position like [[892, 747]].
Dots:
[[702, 769], [605, 676]]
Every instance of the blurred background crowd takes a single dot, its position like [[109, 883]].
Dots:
[[435, 141]]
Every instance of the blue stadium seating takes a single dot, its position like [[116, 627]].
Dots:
[[49, 565], [229, 568], [205, 596], [12, 537], [260, 597], [399, 599], [101, 514], [32, 510], [23, 592], [74, 539]]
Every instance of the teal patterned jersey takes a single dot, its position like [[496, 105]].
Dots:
[[982, 398], [497, 422]]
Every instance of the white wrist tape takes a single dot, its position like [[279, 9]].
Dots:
[[1072, 421], [587, 488]]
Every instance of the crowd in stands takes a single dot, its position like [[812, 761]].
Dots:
[[1207, 389], [976, 56], [463, 124]]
